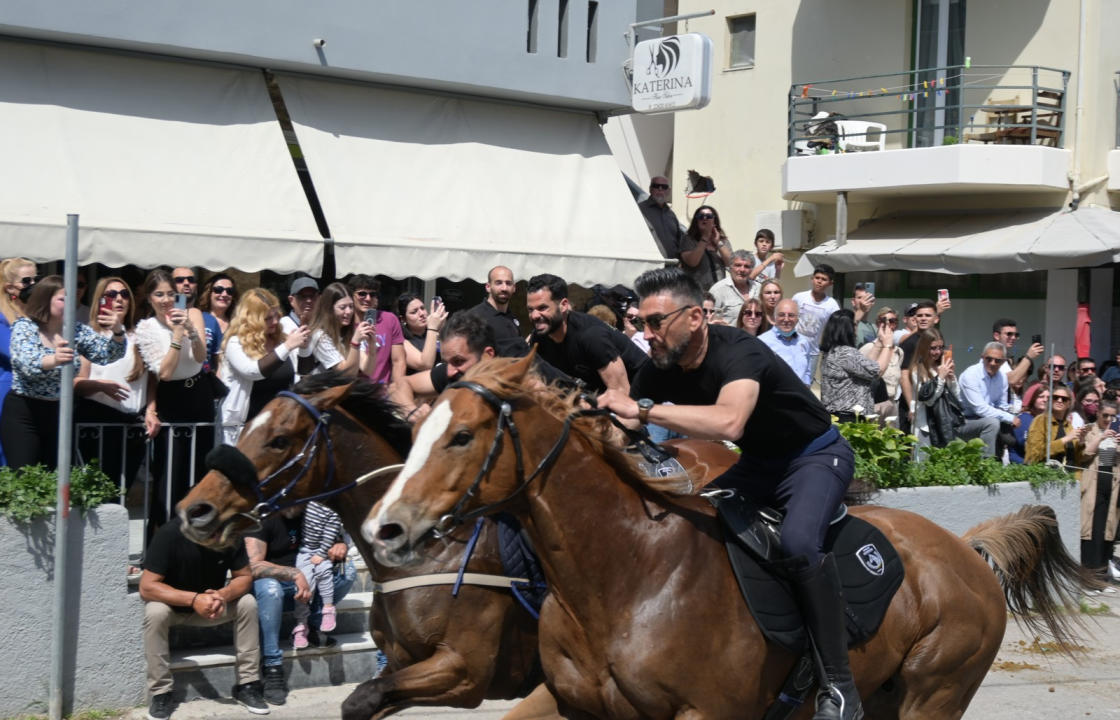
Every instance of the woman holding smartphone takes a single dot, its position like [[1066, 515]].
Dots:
[[217, 303], [421, 331], [29, 421], [333, 322], [1099, 491], [171, 341], [1060, 441]]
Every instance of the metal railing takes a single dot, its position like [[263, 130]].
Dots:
[[167, 465], [1002, 104], [1116, 84]]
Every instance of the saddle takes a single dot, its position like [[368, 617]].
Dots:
[[519, 560], [870, 570]]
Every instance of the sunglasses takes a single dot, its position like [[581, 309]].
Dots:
[[1062, 398], [1012, 334], [1087, 370], [1059, 368], [184, 278], [363, 293], [221, 290], [993, 359], [752, 313], [705, 216], [890, 321], [656, 320], [658, 186], [114, 294], [28, 281]]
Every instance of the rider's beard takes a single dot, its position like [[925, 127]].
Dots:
[[663, 356]]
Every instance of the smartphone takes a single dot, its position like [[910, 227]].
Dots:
[[103, 302], [942, 294], [948, 354], [372, 316], [1115, 425], [180, 301], [437, 300], [869, 288], [1036, 339]]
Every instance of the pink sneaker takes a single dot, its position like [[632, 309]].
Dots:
[[327, 624], [299, 636]]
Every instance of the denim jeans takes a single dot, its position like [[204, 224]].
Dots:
[[275, 596]]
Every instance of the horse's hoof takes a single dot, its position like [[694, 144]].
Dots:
[[363, 702]]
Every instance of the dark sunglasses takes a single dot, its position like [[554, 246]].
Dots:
[[993, 359], [113, 294], [752, 313], [656, 320], [184, 278], [1058, 367], [1062, 398], [28, 281], [890, 321], [363, 293], [705, 216], [1012, 334], [658, 186], [1086, 370], [221, 290]]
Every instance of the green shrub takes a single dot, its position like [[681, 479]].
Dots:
[[958, 463], [31, 491], [882, 454]]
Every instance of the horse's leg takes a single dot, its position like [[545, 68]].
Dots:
[[537, 705], [442, 679]]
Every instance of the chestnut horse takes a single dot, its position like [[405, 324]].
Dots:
[[644, 618]]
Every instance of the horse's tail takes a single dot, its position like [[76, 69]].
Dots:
[[1042, 582]]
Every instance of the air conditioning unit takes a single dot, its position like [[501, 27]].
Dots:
[[791, 228]]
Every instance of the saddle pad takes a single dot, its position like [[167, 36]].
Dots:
[[520, 561], [870, 571]]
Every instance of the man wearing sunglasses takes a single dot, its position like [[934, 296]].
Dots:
[[387, 328], [727, 385], [186, 283], [984, 398], [662, 221], [1006, 332], [576, 343]]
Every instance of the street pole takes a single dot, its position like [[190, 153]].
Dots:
[[62, 509]]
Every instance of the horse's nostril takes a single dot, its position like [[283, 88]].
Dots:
[[389, 531], [200, 513]]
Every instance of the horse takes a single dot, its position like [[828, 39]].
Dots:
[[644, 618], [442, 650]]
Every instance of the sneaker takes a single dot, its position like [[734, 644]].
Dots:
[[328, 623], [275, 689], [299, 636], [249, 695], [1113, 570], [161, 707]]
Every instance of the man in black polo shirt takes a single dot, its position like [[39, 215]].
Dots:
[[185, 584], [495, 311], [727, 385], [576, 343]]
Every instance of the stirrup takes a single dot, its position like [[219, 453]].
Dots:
[[831, 692]]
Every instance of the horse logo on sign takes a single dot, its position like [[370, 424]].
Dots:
[[871, 559]]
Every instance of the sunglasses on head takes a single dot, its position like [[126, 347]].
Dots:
[[184, 278], [659, 186], [656, 320], [221, 290], [113, 294]]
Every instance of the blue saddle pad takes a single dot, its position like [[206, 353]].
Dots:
[[519, 560]]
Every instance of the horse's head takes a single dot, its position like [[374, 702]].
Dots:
[[219, 508], [458, 462]]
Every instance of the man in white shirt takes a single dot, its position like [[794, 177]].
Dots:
[[984, 398]]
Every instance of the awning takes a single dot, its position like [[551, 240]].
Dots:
[[415, 184], [165, 162], [961, 244]]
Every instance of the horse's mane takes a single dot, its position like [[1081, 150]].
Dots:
[[599, 432], [367, 402]]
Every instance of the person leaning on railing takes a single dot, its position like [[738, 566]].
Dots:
[[29, 422]]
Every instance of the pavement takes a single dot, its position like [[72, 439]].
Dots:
[[1028, 680]]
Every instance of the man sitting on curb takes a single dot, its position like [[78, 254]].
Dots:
[[185, 584]]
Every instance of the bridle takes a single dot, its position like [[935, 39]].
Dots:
[[506, 424]]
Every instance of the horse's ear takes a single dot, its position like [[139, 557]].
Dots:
[[327, 399], [517, 370]]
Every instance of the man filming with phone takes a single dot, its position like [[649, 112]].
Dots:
[[391, 365], [1006, 332], [302, 296]]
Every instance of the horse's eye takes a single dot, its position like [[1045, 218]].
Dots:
[[279, 443], [461, 438]]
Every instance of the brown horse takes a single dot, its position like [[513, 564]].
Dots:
[[644, 618], [442, 650]]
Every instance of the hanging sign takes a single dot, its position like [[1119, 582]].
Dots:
[[672, 73]]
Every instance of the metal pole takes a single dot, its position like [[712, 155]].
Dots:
[[62, 510], [841, 218], [1050, 405]]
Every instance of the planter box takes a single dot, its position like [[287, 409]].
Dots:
[[104, 659], [959, 507]]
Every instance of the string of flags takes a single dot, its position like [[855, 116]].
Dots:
[[910, 91]]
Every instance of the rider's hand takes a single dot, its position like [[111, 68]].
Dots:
[[619, 403]]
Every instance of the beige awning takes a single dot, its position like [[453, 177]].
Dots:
[[961, 244], [415, 184], [165, 163]]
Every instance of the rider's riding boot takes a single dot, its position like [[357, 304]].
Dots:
[[823, 607]]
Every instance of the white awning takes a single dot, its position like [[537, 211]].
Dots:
[[984, 243], [415, 184], [165, 162]]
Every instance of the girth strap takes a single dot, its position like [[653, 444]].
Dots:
[[448, 578]]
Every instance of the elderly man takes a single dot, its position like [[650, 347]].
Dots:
[[984, 398], [787, 343], [663, 222], [719, 383], [732, 291]]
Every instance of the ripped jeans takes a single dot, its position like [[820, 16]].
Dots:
[[275, 596]]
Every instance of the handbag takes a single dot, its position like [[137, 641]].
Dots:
[[879, 390], [218, 389]]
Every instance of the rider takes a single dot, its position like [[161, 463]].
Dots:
[[727, 385]]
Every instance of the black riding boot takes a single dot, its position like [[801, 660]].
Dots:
[[822, 605]]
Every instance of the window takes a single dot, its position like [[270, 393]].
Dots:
[[741, 32]]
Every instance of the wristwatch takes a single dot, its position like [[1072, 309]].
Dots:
[[644, 406]]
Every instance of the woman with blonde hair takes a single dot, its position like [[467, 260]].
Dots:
[[1054, 437], [16, 274], [771, 294], [258, 359], [333, 322]]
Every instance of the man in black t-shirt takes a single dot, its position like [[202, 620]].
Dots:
[[495, 311], [578, 344], [727, 385], [185, 584]]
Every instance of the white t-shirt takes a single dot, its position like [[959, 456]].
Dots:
[[813, 315]]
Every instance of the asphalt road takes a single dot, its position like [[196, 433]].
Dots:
[[1027, 681]]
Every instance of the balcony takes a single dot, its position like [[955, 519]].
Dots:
[[954, 130]]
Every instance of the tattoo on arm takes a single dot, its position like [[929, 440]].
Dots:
[[261, 568]]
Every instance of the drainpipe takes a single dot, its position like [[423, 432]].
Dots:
[[841, 218], [1075, 173]]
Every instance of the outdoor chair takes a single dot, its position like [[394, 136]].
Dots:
[[855, 135]]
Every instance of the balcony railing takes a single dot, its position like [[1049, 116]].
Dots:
[[1016, 104]]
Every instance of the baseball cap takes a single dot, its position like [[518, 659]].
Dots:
[[303, 283], [911, 309]]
